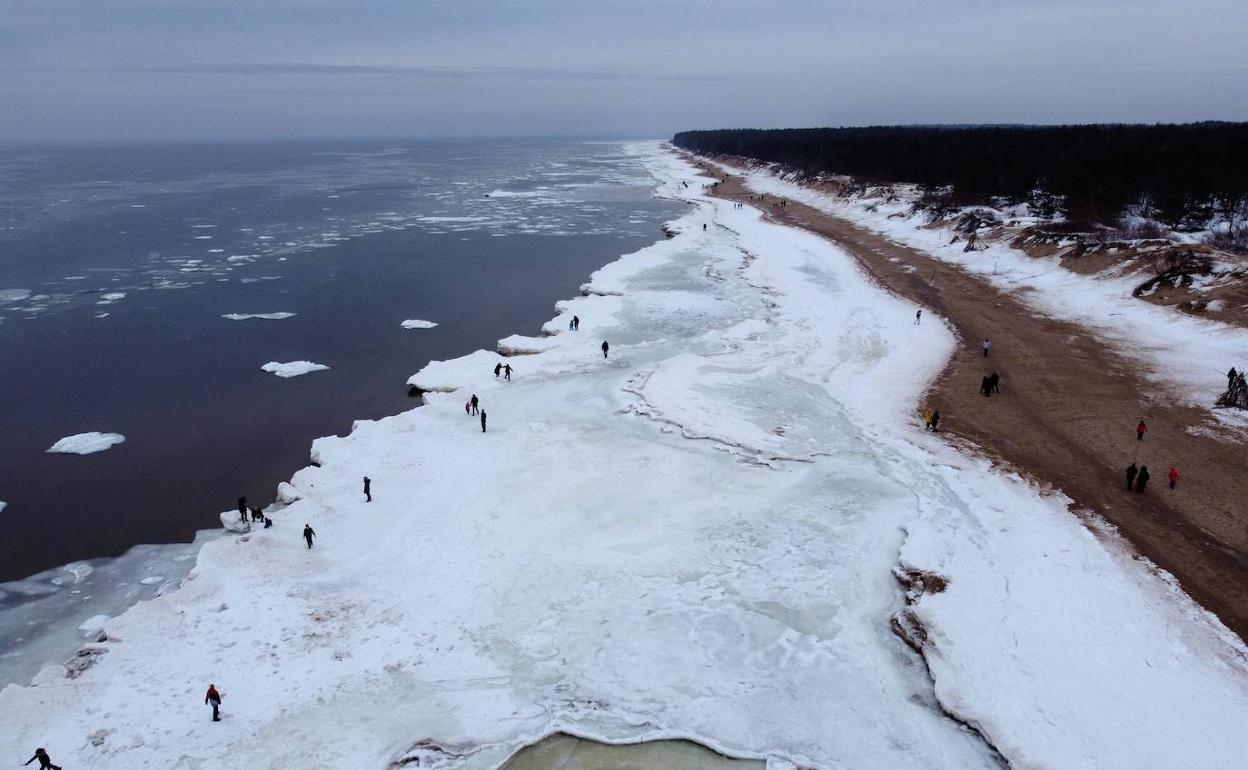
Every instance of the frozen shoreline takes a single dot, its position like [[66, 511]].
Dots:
[[719, 575]]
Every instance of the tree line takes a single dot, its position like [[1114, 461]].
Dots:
[[1181, 175]]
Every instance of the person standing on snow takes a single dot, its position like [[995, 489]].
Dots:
[[605, 347], [507, 372], [497, 368], [918, 316], [308, 534], [576, 324], [483, 421], [474, 403], [214, 698], [1173, 476], [1140, 430], [1141, 481], [368, 489], [935, 423], [45, 762], [987, 345], [242, 509], [1132, 472]]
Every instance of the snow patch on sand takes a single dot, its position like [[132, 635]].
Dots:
[[86, 443]]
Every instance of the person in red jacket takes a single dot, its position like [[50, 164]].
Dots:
[[1174, 477], [1140, 430], [214, 698]]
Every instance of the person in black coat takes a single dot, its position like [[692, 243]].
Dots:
[[1132, 472], [605, 347], [45, 762], [1141, 481]]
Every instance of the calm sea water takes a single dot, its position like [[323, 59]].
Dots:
[[117, 264]]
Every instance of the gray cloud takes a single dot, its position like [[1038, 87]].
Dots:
[[309, 68]]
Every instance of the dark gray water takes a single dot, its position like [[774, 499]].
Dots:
[[480, 237]]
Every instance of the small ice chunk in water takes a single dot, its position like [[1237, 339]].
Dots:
[[3, 505], [86, 443], [265, 316], [292, 368], [151, 580], [109, 298], [13, 295], [416, 323]]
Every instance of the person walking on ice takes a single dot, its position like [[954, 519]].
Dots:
[[368, 489], [308, 534], [474, 403], [45, 762], [576, 324], [483, 421], [507, 372], [918, 316], [605, 348], [1140, 430], [213, 697], [1173, 476], [498, 368], [987, 345]]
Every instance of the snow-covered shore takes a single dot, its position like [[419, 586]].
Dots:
[[1186, 355], [695, 537]]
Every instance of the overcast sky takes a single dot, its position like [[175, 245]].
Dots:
[[135, 69]]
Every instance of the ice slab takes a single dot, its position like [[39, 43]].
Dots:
[[416, 323], [265, 316], [292, 368], [86, 443]]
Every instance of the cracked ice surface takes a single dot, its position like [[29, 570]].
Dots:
[[694, 537]]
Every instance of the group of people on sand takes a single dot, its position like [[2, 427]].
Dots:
[[1138, 476]]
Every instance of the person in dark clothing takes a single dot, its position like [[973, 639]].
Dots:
[[576, 324], [267, 522], [256, 514], [214, 698], [704, 224], [368, 489], [1132, 472], [605, 347], [45, 762], [483, 421], [308, 534], [985, 386], [1173, 476], [242, 509], [1141, 481], [474, 403], [497, 368], [935, 423], [1140, 430], [994, 381], [507, 372], [918, 316]]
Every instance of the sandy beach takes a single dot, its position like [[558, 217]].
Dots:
[[1066, 414]]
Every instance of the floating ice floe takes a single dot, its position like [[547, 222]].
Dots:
[[416, 323], [13, 295], [292, 368], [86, 443], [109, 298], [3, 505], [265, 316]]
